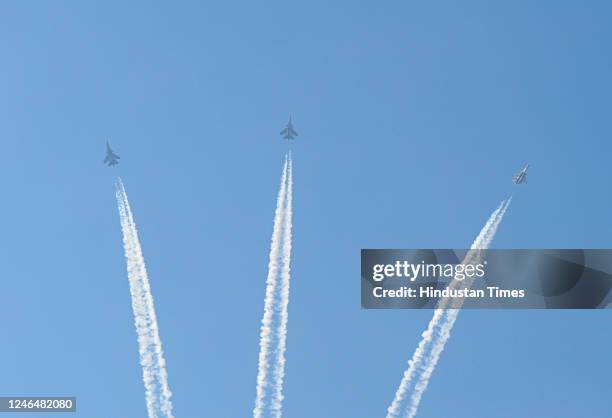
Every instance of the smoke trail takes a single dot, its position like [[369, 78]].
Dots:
[[425, 357], [279, 372], [443, 332], [271, 342], [155, 377], [140, 321]]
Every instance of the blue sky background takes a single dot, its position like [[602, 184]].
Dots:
[[413, 116]]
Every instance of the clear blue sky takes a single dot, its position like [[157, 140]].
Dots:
[[413, 116]]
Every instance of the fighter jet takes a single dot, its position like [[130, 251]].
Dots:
[[111, 158], [521, 177], [289, 133]]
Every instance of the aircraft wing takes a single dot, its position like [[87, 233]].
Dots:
[[284, 131]]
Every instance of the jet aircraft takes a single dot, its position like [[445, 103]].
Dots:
[[289, 133], [111, 158], [521, 177]]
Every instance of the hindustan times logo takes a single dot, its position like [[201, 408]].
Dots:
[[413, 271]]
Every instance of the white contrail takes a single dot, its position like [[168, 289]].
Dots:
[[155, 376], [154, 370], [442, 334], [269, 337], [138, 308], [279, 372], [422, 362]]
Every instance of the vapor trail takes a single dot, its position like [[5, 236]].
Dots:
[[279, 372], [273, 329], [442, 334], [434, 338], [155, 377]]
